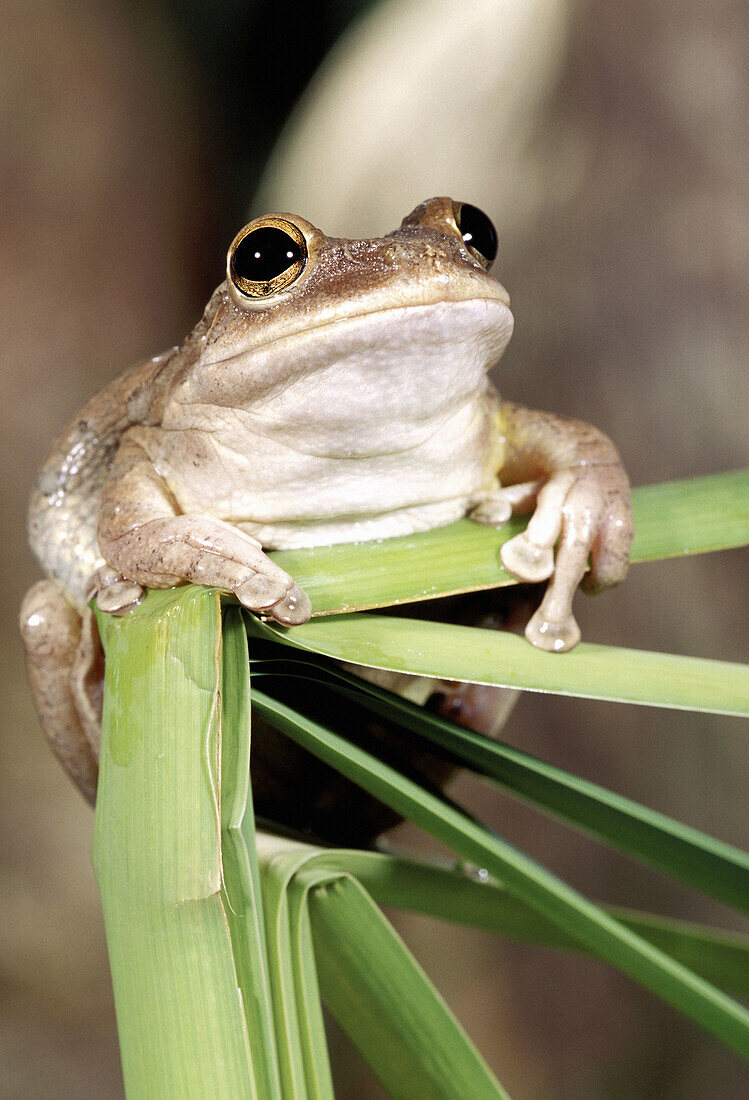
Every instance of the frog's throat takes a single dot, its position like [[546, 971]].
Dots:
[[394, 317]]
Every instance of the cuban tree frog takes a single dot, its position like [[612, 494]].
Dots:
[[334, 390]]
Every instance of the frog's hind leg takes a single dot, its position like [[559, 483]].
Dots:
[[65, 669]]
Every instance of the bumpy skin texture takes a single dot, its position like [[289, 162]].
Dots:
[[352, 404]]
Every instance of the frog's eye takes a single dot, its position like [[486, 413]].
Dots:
[[478, 233], [265, 257]]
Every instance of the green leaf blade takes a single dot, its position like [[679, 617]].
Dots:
[[448, 652], [157, 854], [692, 857], [240, 873], [454, 893], [387, 1005], [595, 929], [693, 516]]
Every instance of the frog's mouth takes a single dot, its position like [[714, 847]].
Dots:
[[368, 384], [233, 331], [450, 344]]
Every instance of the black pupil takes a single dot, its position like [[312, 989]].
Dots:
[[478, 232], [264, 254]]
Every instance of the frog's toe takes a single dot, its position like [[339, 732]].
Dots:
[[276, 596], [113, 593], [492, 512], [260, 591], [609, 558], [119, 598], [555, 637], [495, 508], [294, 609], [527, 561]]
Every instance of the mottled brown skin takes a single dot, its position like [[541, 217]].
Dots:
[[353, 403]]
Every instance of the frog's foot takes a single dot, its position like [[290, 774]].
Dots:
[[197, 548], [585, 511], [113, 592], [65, 674]]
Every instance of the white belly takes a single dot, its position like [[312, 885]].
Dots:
[[287, 497]]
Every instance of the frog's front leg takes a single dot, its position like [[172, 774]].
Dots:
[[143, 536], [573, 475]]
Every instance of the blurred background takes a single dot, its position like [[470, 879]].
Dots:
[[610, 145]]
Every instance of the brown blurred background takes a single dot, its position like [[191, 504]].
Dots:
[[610, 145]]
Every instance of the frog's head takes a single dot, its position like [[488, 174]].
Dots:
[[376, 315]]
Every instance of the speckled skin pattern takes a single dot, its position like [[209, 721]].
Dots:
[[352, 404]]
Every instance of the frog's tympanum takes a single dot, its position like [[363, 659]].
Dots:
[[334, 390]]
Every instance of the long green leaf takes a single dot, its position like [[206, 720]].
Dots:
[[688, 855], [387, 1005], [299, 1028], [311, 1023], [672, 519], [240, 872], [157, 854], [595, 929], [449, 652], [374, 987], [719, 957], [461, 894]]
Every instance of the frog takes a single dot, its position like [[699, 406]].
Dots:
[[334, 390]]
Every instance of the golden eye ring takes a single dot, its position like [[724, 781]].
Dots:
[[266, 257]]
